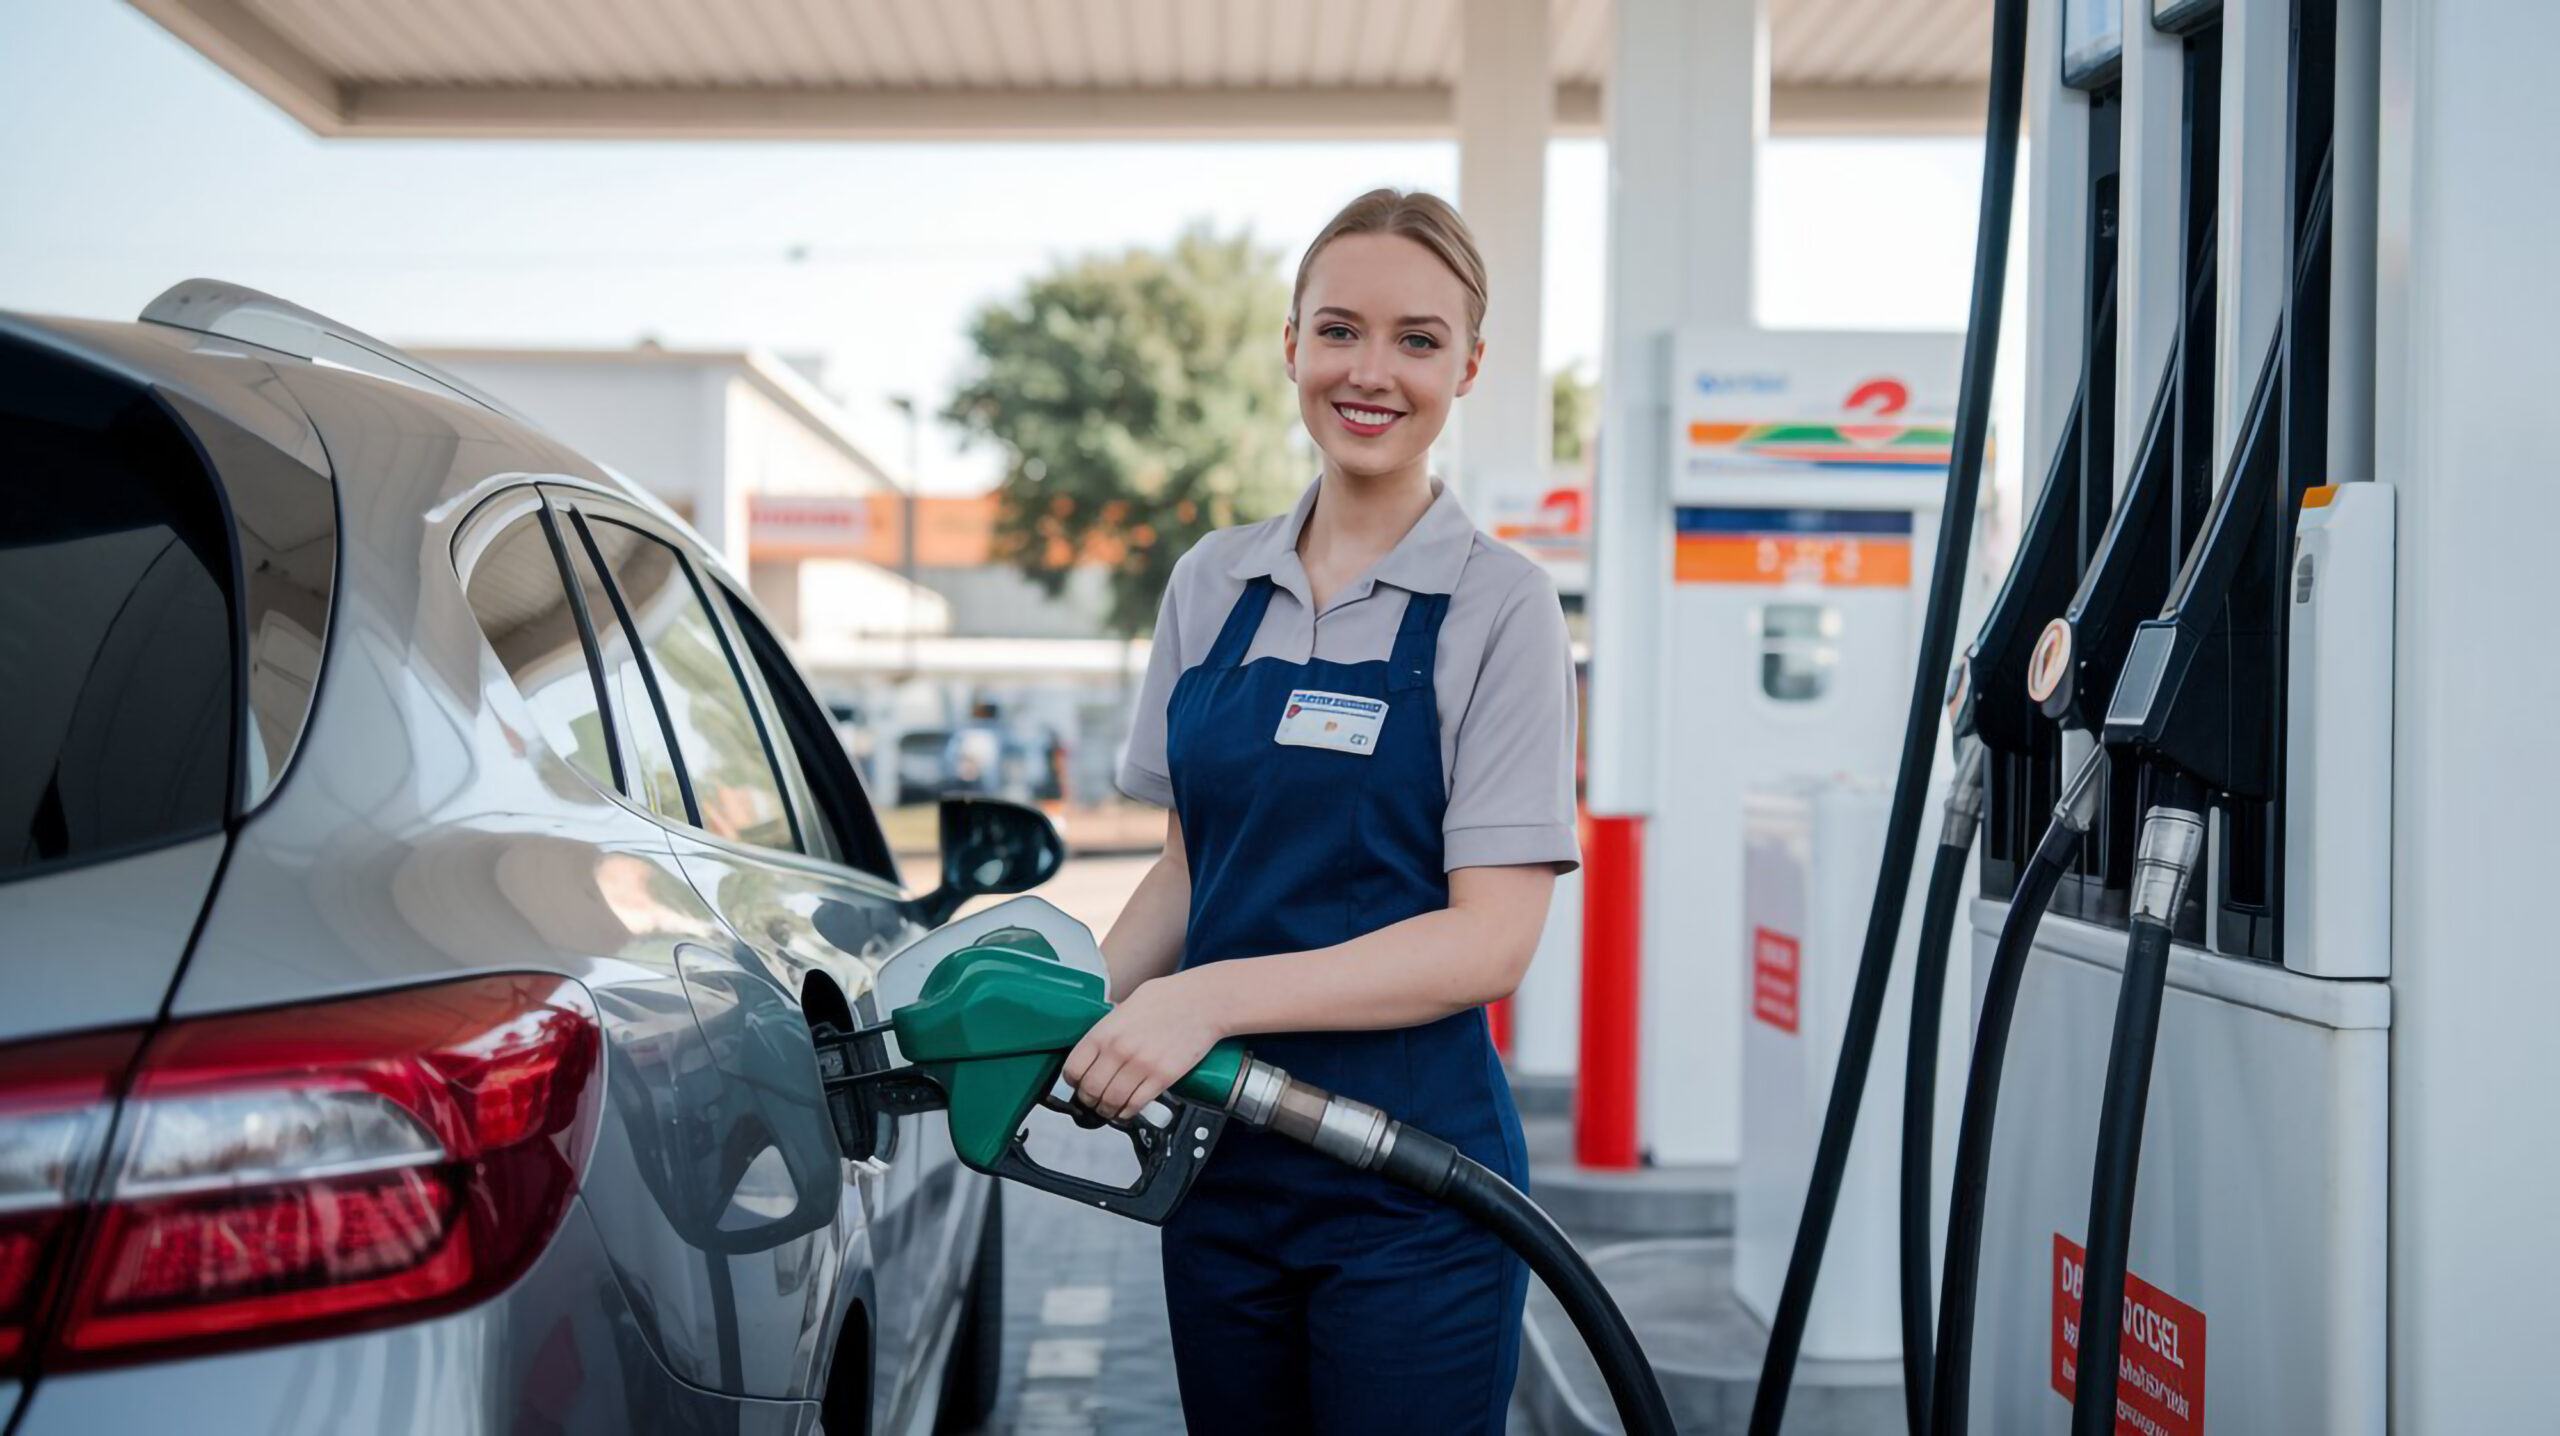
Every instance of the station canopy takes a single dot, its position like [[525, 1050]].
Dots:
[[1012, 69]]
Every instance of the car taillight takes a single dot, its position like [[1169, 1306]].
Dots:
[[309, 1171], [56, 1098]]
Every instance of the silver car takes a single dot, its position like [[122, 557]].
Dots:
[[421, 874]]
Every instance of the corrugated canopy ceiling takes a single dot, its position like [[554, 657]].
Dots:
[[1009, 68]]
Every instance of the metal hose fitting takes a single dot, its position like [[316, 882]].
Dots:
[[2078, 807], [1345, 1130], [1353, 1133], [1257, 1094], [1964, 800], [2171, 840]]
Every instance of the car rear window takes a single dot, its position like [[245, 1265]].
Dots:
[[116, 635]]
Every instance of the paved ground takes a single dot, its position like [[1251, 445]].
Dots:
[[1085, 1342]]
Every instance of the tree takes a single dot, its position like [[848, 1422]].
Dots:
[[1577, 409], [1141, 403]]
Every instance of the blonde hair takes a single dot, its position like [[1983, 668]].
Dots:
[[1424, 218]]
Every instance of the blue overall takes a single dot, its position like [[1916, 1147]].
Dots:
[[1305, 1296]]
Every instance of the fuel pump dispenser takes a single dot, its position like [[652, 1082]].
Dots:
[[2084, 863], [2021, 708], [2190, 708], [2018, 706]]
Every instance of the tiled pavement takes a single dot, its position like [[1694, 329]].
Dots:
[[1085, 1346]]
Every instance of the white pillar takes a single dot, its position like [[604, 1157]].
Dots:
[[1688, 104], [720, 473], [1506, 109]]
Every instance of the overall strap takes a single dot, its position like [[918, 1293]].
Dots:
[[1417, 642], [1243, 621]]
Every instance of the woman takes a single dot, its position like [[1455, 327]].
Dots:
[[1361, 715]]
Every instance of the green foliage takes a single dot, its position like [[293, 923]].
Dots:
[[1141, 403], [1577, 412]]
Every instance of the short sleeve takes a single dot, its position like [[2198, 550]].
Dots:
[[1144, 772], [1511, 777]]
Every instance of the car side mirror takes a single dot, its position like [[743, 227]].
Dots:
[[990, 846]]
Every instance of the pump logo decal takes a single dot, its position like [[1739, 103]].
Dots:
[[1870, 435], [1884, 396], [2159, 1359], [1827, 448], [1777, 961]]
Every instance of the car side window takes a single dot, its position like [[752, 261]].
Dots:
[[735, 790], [836, 793], [648, 754], [524, 608]]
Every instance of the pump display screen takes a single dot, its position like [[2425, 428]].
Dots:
[[2092, 40], [2179, 16]]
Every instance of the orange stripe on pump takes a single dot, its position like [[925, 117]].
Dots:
[[1831, 562], [2319, 498], [1706, 435]]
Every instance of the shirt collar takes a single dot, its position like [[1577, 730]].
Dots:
[[1428, 559]]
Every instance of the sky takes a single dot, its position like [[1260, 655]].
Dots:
[[128, 162]]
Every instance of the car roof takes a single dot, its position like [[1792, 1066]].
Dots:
[[372, 416]]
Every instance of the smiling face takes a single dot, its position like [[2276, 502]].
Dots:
[[1380, 349]]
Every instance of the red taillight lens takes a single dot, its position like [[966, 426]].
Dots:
[[55, 1101], [315, 1170]]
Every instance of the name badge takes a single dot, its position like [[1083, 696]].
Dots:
[[1339, 721]]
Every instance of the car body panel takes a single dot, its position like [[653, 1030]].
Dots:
[[561, 1353], [107, 936], [803, 919], [121, 924]]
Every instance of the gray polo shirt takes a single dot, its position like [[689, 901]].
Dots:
[[1504, 678]]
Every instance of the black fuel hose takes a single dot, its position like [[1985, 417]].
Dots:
[[1434, 1168], [2146, 973], [1920, 1082], [1360, 1136], [1950, 1384], [2172, 836], [1920, 728]]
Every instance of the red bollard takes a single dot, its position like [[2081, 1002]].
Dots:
[[1604, 1092]]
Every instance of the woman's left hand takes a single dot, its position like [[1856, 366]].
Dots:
[[1145, 1045]]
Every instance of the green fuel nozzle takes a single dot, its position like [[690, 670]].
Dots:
[[985, 1036], [986, 1039]]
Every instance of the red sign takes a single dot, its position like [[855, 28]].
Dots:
[[808, 523], [1776, 959], [2159, 1358]]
